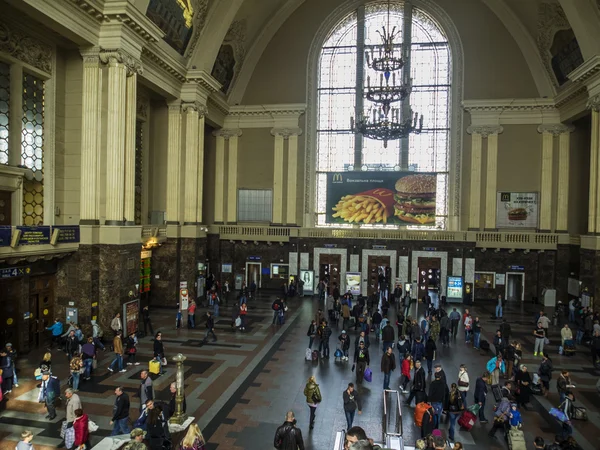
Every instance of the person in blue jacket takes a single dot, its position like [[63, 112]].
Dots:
[[57, 331], [515, 416]]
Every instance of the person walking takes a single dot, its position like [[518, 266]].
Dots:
[[288, 436], [243, 316], [25, 442], [499, 307], [388, 365], [193, 440], [545, 373], [437, 394], [455, 408], [159, 351], [210, 327], [88, 355], [115, 324], [567, 407], [313, 398], [345, 315], [118, 349], [430, 349], [563, 384], [362, 360], [71, 345], [131, 346], [225, 292], [344, 344], [540, 336], [545, 321], [49, 392], [311, 333], [468, 323], [480, 395], [405, 373], [463, 383], [419, 385], [388, 336], [146, 389], [147, 321], [192, 314], [476, 333], [501, 417], [120, 417], [81, 427], [73, 403], [57, 330], [454, 320], [76, 367], [352, 403]]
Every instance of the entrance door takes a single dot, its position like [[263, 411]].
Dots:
[[41, 310], [253, 272], [515, 287], [329, 269], [379, 273], [11, 292], [429, 276]]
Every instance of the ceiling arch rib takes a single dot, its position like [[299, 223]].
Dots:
[[258, 47], [217, 25], [584, 17], [526, 44]]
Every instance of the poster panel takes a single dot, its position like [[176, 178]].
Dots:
[[131, 312], [309, 280], [455, 287], [517, 210], [500, 278], [353, 282], [398, 198]]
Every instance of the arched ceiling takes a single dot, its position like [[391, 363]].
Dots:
[[260, 20]]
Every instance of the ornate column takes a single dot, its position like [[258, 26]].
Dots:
[[220, 175], [548, 133], [190, 111], [232, 175], [201, 119], [91, 128], [115, 134], [562, 202], [292, 178], [281, 135], [491, 185], [133, 68], [594, 210], [174, 164]]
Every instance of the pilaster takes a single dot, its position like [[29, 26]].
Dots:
[[562, 201], [91, 129], [281, 135], [232, 176], [201, 122], [130, 123], [594, 197], [219, 176], [491, 179], [292, 179], [174, 164], [190, 111], [546, 184]]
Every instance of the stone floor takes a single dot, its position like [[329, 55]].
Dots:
[[240, 387]]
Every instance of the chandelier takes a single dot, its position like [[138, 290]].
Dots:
[[382, 121]]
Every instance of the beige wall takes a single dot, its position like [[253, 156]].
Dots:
[[579, 176], [255, 159], [157, 172], [494, 65], [69, 73], [519, 159]]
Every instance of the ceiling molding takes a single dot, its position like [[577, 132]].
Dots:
[[535, 111], [285, 115]]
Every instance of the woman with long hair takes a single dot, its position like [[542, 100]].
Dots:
[[313, 398], [46, 364], [193, 439], [156, 429], [159, 350]]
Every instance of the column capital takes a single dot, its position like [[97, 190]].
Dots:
[[194, 106], [285, 133], [174, 106], [556, 129], [485, 130], [593, 103], [119, 56], [90, 55], [227, 133]]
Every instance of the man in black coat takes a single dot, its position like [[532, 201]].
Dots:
[[388, 336], [437, 368], [437, 393], [172, 402], [505, 330], [480, 395], [288, 436], [419, 385]]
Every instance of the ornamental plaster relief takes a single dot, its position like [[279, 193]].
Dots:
[[118, 56], [201, 7], [551, 19], [594, 103], [25, 48]]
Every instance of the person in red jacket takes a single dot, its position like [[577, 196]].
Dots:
[[82, 434], [405, 370]]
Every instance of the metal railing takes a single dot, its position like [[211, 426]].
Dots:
[[388, 413]]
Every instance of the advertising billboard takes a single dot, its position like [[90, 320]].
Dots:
[[455, 287], [353, 282], [517, 210], [398, 198]]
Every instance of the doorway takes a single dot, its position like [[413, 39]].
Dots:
[[253, 273], [379, 273], [515, 287], [429, 270], [41, 310], [330, 270]]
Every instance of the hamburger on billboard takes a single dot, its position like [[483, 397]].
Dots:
[[517, 210], [385, 198]]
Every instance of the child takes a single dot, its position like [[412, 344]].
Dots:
[[25, 442], [515, 416]]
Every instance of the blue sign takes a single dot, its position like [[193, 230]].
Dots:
[[67, 233], [253, 258], [34, 235], [12, 272], [5, 234], [455, 287], [520, 268], [330, 245], [266, 271]]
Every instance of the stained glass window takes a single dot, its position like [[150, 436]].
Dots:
[[4, 110], [32, 143], [338, 149], [139, 152]]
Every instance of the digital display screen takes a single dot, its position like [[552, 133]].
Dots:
[[455, 287]]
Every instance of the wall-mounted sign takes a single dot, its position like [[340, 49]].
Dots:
[[379, 247], [517, 210], [253, 258], [227, 268], [353, 282], [67, 233], [34, 235], [429, 249], [307, 276], [455, 287], [519, 268], [5, 234], [500, 279], [11, 272], [131, 312], [146, 254], [330, 245]]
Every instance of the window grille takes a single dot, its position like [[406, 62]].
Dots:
[[255, 205]]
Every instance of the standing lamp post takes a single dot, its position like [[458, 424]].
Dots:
[[179, 417]]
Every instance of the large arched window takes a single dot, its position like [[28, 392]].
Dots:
[[342, 76]]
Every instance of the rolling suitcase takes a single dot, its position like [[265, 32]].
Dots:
[[154, 366], [516, 439], [497, 391], [536, 389], [569, 348], [467, 419]]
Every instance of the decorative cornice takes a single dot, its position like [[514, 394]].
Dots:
[[586, 70], [594, 103], [512, 111], [160, 62], [485, 130], [90, 9], [265, 116], [568, 92], [119, 56], [504, 105], [267, 110], [286, 132], [555, 129], [25, 48], [205, 80], [227, 133]]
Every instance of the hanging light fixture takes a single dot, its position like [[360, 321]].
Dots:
[[382, 121]]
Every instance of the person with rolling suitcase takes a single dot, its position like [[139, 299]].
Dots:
[[501, 417]]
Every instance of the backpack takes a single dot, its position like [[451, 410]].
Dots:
[[420, 411], [275, 306]]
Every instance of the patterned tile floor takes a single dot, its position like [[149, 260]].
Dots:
[[240, 387]]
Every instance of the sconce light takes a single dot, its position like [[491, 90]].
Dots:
[[269, 243], [244, 242], [281, 244], [526, 252], [231, 241], [511, 251], [255, 242], [497, 250], [483, 250]]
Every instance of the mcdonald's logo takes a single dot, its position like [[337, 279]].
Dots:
[[337, 178]]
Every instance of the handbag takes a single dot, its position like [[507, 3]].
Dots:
[[94, 363], [368, 375], [238, 321], [558, 415], [92, 426], [163, 361], [546, 341], [462, 383], [37, 374]]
